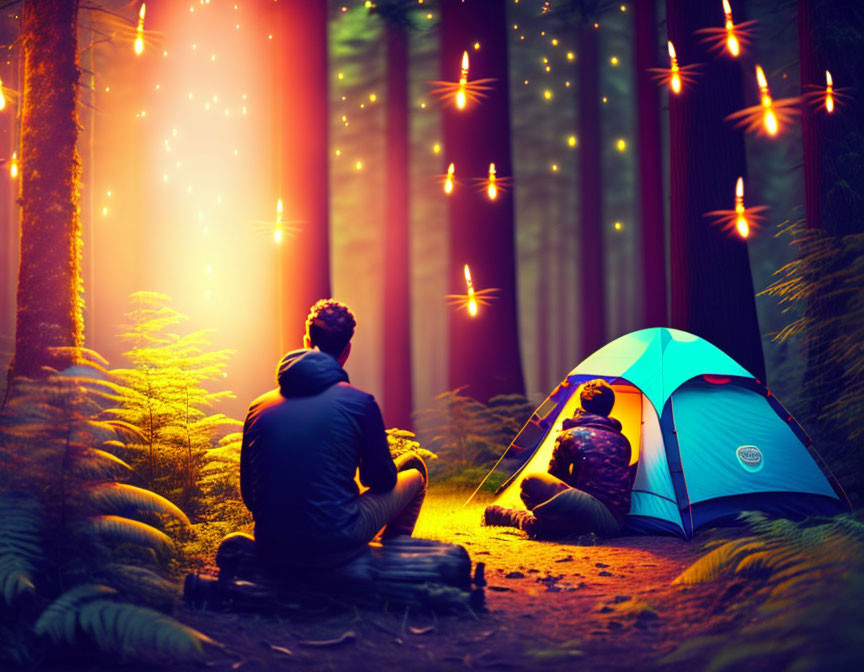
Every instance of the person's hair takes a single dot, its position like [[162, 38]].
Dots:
[[596, 396], [330, 326]]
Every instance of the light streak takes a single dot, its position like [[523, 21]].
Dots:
[[463, 82], [829, 92], [13, 166], [277, 235], [2, 97], [492, 188], [139, 32], [472, 299], [448, 181]]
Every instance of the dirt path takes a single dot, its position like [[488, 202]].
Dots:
[[550, 606]]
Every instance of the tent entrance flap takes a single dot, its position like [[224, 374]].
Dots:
[[627, 410]]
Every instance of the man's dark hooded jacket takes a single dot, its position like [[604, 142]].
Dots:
[[302, 444]]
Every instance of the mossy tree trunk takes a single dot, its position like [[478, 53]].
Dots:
[[49, 277]]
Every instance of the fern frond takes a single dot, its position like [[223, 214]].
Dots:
[[125, 530], [123, 497], [20, 547], [59, 621], [710, 566], [94, 464], [116, 627]]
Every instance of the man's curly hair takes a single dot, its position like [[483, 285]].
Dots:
[[330, 326], [597, 396]]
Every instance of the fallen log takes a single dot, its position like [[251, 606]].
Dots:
[[404, 571]]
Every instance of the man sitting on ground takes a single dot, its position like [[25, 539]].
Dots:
[[587, 488], [302, 446]]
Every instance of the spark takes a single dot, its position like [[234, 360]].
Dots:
[[492, 188], [13, 166], [827, 98], [277, 235], [676, 76], [448, 180], [463, 91], [770, 116], [139, 31], [2, 97], [474, 298], [741, 220], [732, 36]]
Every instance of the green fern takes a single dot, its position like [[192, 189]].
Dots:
[[20, 547], [810, 596], [118, 627], [124, 497], [124, 530]]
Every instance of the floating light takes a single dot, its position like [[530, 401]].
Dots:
[[474, 298], [829, 92], [13, 166], [677, 77], [741, 219], [732, 37], [448, 181], [462, 91], [492, 188], [463, 82], [675, 81], [769, 116], [277, 235], [2, 97], [139, 32]]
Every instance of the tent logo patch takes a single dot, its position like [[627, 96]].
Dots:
[[750, 457]]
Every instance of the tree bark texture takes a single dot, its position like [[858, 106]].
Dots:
[[49, 277], [301, 118], [592, 268], [484, 350], [397, 396], [712, 287], [653, 231]]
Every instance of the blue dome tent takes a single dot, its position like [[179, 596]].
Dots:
[[708, 439]]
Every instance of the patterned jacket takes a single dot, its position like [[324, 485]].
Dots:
[[592, 455]]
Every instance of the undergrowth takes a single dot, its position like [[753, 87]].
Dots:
[[806, 614]]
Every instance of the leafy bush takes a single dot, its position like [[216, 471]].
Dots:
[[81, 552], [809, 605], [469, 436]]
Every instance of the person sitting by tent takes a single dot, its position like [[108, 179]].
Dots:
[[303, 443], [587, 487]]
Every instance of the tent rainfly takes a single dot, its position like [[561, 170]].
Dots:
[[708, 438]]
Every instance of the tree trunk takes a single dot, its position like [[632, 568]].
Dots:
[[484, 350], [8, 206], [653, 239], [49, 276], [397, 396], [712, 288], [301, 119], [592, 268]]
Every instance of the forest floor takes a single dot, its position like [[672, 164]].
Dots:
[[549, 606]]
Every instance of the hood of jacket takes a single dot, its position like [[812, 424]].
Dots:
[[304, 373], [582, 419]]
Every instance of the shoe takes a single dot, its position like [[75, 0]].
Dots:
[[502, 517]]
